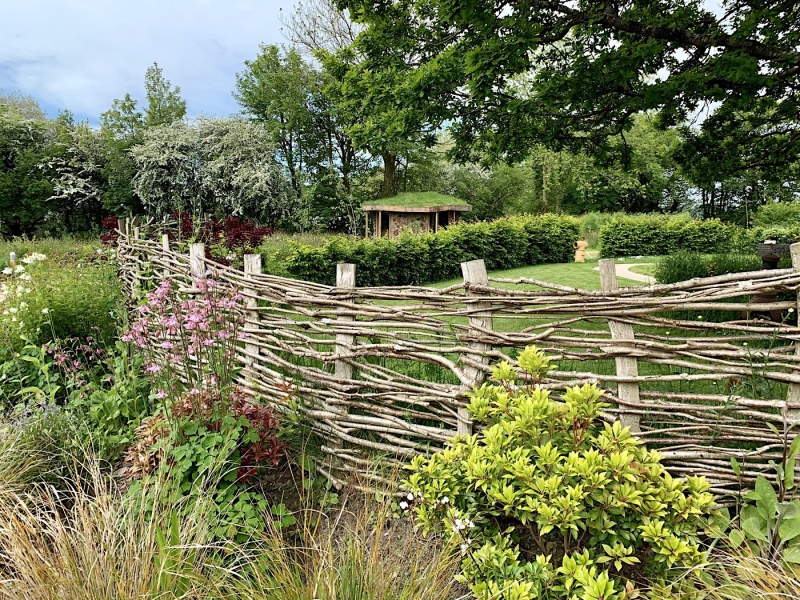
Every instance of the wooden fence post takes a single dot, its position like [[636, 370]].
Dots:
[[252, 266], [626, 366], [480, 317], [345, 278], [793, 393], [197, 254]]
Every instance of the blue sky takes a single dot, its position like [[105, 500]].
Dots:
[[81, 54]]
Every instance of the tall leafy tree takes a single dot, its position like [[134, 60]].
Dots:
[[164, 102], [327, 32], [23, 188], [571, 75], [122, 127], [289, 94], [222, 166], [278, 88]]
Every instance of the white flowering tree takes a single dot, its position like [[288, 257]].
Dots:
[[223, 166], [239, 170], [78, 179]]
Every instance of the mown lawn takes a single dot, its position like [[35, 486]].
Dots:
[[580, 275]]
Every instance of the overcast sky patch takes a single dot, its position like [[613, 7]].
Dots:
[[81, 55]]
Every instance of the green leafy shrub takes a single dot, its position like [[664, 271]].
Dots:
[[549, 502], [656, 235], [778, 214], [414, 259], [769, 522], [746, 240], [687, 265], [276, 250], [210, 444], [103, 390]]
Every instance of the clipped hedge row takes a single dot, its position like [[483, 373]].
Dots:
[[414, 259], [658, 235], [655, 235]]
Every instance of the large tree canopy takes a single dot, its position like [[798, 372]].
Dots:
[[223, 166], [572, 73]]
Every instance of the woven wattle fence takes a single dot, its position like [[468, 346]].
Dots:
[[384, 372]]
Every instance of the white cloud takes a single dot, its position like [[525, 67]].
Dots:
[[81, 54]]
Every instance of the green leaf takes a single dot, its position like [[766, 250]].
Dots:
[[768, 498], [789, 528], [753, 528], [735, 538], [795, 447], [792, 555], [737, 469]]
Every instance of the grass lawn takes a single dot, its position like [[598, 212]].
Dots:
[[580, 275], [645, 269]]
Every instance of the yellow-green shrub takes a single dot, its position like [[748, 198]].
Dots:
[[551, 503]]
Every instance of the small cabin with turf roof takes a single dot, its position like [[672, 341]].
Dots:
[[422, 212]]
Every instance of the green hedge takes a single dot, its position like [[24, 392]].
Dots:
[[414, 259], [655, 235]]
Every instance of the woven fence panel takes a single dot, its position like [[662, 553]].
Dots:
[[711, 374]]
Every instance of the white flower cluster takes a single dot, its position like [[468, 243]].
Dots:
[[33, 257], [462, 524], [404, 503]]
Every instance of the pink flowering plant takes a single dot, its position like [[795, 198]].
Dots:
[[209, 436], [101, 387], [189, 342]]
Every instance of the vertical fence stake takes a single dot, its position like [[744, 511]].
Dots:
[[480, 316], [345, 278], [793, 393], [626, 366], [165, 251], [197, 254], [252, 266]]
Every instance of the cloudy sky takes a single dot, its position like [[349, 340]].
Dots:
[[81, 54]]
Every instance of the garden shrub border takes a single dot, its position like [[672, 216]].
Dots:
[[659, 235], [414, 259]]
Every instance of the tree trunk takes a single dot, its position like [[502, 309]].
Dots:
[[389, 170]]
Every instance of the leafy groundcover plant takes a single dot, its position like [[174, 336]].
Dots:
[[208, 437], [549, 502]]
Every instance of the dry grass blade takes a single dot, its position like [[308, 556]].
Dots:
[[355, 554], [740, 575], [89, 543]]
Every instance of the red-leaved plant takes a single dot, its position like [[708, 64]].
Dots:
[[257, 443]]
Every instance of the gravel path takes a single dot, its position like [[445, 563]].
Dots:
[[624, 270]]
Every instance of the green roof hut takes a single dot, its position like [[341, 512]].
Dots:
[[424, 212]]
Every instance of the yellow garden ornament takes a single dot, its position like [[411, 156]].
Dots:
[[580, 250]]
